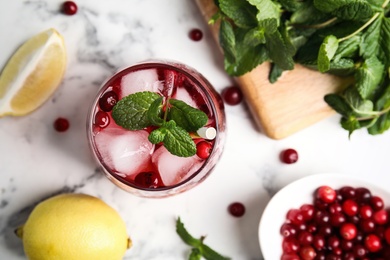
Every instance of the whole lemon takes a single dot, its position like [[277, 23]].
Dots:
[[74, 226]]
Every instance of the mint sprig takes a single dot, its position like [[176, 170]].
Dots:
[[199, 249], [347, 38], [173, 119]]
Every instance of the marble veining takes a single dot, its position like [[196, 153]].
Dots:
[[36, 162]]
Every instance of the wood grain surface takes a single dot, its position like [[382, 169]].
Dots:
[[293, 103]]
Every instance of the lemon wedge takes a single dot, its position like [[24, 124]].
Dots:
[[32, 74]]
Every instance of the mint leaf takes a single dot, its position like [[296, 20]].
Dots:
[[275, 73], [348, 48], [240, 11], [368, 76], [266, 9], [370, 41], [327, 51], [198, 247], [177, 140], [185, 116], [195, 254], [384, 41], [279, 51], [131, 111], [347, 10], [350, 124], [381, 125], [339, 104], [227, 42], [155, 111]]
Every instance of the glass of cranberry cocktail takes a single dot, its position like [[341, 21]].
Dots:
[[157, 128]]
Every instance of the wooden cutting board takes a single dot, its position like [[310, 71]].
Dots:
[[294, 102]]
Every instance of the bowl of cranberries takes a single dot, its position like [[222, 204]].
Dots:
[[326, 217]]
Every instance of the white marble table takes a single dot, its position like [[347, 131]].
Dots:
[[37, 162]]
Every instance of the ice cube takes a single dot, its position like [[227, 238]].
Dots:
[[127, 152], [138, 81], [183, 95], [166, 89], [174, 169]]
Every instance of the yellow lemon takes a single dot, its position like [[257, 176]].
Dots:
[[74, 227], [32, 74]]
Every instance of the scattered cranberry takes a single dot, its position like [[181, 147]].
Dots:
[[148, 180], [350, 207], [69, 8], [203, 149], [326, 194], [61, 124], [289, 156], [108, 101], [101, 119], [196, 35], [236, 209], [232, 95]]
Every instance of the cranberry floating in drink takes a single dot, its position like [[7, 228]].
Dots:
[[157, 128]]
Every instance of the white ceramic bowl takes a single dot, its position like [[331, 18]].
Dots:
[[293, 196]]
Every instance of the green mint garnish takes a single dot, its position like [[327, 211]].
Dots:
[[131, 112], [199, 249], [142, 109]]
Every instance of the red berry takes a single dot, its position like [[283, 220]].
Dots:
[[101, 119], [359, 251], [350, 207], [305, 238], [348, 231], [373, 243], [307, 253], [108, 101], [319, 242], [335, 208], [376, 203], [307, 211], [290, 257], [148, 180], [380, 217], [333, 242], [365, 212], [196, 35], [61, 124], [236, 209], [232, 95], [387, 235], [326, 194], [337, 219], [69, 8], [363, 195], [289, 156], [367, 225], [347, 192], [203, 149], [290, 245], [295, 217], [287, 230]]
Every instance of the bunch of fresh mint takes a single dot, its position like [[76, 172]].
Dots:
[[342, 37], [173, 120]]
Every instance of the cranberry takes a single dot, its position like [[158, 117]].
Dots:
[[322, 217], [289, 156], [346, 245], [287, 230], [372, 243], [350, 207], [365, 212], [203, 149], [387, 235], [108, 101], [305, 238], [359, 251], [335, 208], [320, 204], [347, 192], [290, 257], [326, 194], [290, 245], [376, 203], [348, 231], [61, 124], [307, 211], [195, 34], [319, 242], [380, 217], [295, 216], [101, 119], [367, 225], [333, 242], [307, 253], [148, 180], [69, 8], [236, 209], [232, 95], [325, 230], [363, 195], [337, 219]]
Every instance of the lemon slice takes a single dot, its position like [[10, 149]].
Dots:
[[32, 74]]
